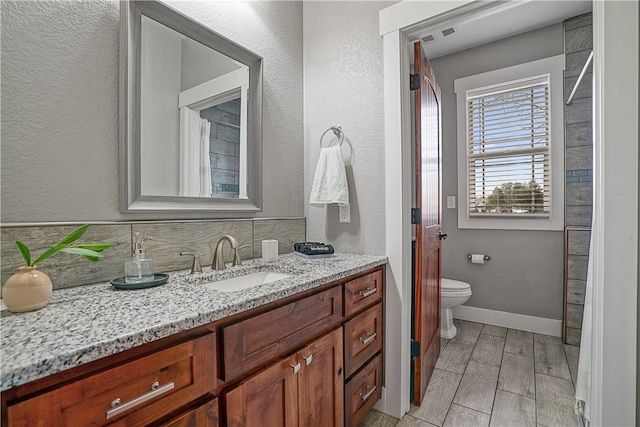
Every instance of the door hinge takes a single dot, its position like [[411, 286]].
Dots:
[[416, 218], [414, 81], [415, 348]]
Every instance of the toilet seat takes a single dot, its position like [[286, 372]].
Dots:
[[454, 286]]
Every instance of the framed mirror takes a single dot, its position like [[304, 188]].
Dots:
[[190, 116]]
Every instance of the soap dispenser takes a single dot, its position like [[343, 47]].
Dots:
[[138, 269]]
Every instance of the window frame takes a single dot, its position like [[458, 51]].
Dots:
[[554, 67]]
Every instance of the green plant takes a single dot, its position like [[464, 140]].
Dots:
[[91, 251]]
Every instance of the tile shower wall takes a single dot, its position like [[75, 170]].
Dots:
[[579, 171], [169, 238], [224, 147]]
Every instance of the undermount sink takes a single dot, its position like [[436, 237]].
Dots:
[[247, 281]]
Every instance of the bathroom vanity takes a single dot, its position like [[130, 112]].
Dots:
[[305, 350]]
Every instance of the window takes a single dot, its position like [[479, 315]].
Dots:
[[510, 147]]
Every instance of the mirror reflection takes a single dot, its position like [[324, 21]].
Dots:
[[193, 122]]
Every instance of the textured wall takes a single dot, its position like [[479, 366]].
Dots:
[[343, 83], [59, 111], [60, 104], [525, 274]]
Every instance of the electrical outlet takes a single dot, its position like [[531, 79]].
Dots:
[[345, 213], [451, 202]]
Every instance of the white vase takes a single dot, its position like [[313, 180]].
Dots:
[[27, 290]]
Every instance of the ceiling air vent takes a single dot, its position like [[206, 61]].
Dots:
[[448, 31], [428, 38]]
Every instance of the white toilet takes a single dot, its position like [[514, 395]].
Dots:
[[452, 294]]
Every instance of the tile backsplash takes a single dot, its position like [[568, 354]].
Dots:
[[169, 238]]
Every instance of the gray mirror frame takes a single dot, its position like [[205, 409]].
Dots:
[[131, 199]]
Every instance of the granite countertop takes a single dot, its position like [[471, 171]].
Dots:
[[86, 323]]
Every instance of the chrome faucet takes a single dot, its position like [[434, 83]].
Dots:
[[218, 255]]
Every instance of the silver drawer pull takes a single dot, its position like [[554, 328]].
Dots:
[[118, 407], [296, 368], [308, 359], [368, 391], [367, 338], [368, 291]]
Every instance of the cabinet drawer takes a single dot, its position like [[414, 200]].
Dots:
[[362, 292], [363, 391], [263, 338], [147, 388], [205, 415], [362, 338]]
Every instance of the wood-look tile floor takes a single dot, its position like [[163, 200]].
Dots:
[[493, 376]]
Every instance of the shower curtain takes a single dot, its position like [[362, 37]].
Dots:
[[195, 163], [583, 381]]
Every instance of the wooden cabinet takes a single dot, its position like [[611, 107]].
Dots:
[[302, 390], [292, 392], [134, 393], [363, 344]]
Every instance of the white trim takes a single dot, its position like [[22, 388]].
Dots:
[[213, 88], [398, 227], [407, 13], [615, 231], [539, 325], [553, 66], [597, 232], [513, 85]]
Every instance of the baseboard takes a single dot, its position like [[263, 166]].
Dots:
[[539, 325], [381, 405]]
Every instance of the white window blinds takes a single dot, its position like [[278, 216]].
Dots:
[[508, 143]]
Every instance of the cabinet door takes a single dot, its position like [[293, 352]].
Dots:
[[267, 398], [320, 382]]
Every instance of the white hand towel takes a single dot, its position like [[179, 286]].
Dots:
[[330, 179]]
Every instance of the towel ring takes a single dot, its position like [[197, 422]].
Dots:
[[337, 131]]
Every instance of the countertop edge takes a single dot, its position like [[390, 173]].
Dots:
[[21, 374]]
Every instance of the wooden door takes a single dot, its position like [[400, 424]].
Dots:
[[428, 232], [267, 398], [321, 383]]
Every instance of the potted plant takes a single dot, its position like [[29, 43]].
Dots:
[[30, 289]]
